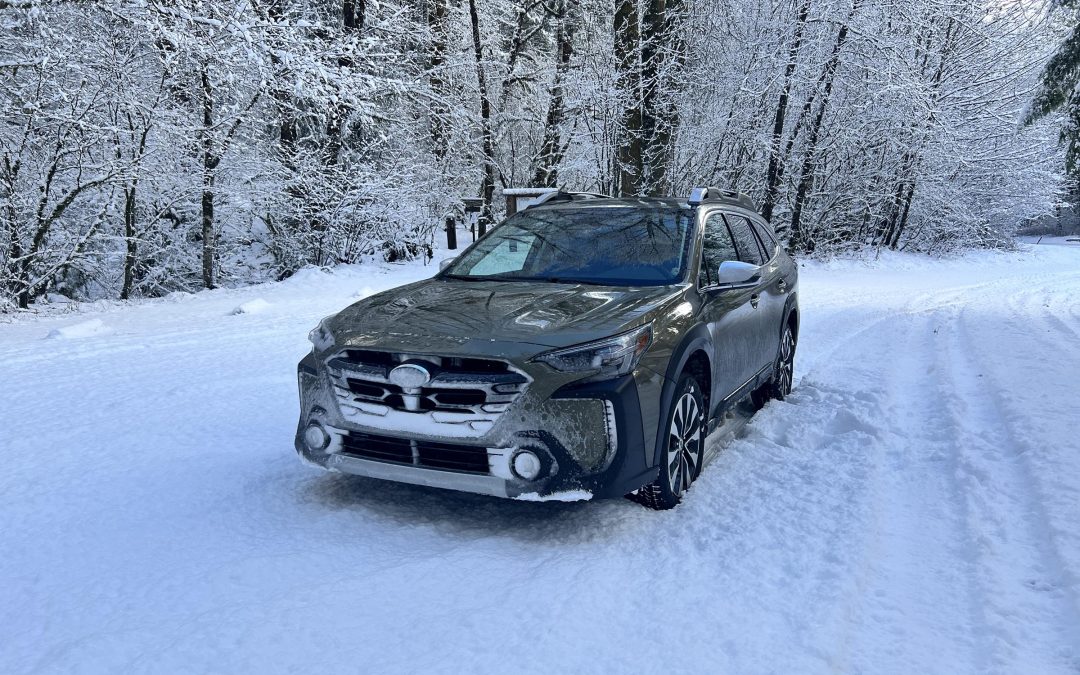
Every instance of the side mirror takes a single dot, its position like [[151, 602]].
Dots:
[[446, 262], [735, 273]]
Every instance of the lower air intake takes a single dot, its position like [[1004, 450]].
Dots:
[[432, 455]]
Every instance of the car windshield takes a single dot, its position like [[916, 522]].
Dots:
[[613, 245]]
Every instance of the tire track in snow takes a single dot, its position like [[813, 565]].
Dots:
[[909, 549], [925, 301], [798, 478], [1034, 304], [1037, 419], [1030, 613]]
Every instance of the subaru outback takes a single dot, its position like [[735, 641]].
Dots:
[[583, 348]]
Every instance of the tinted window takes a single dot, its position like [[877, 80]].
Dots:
[[767, 235], [768, 240], [717, 247], [601, 244], [745, 241]]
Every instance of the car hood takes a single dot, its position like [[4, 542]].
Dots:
[[454, 316]]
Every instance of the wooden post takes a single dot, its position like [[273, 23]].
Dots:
[[451, 233]]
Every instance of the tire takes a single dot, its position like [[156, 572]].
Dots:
[[680, 461], [779, 385]]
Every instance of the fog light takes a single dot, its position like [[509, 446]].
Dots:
[[316, 437], [526, 465]]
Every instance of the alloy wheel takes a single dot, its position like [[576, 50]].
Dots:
[[786, 367], [684, 443]]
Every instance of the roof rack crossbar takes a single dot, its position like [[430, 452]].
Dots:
[[702, 194], [561, 195]]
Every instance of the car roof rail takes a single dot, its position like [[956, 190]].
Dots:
[[699, 195], [565, 196]]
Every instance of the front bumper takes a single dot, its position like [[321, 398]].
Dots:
[[589, 438], [415, 475]]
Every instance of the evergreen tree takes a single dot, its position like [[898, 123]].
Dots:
[[1058, 90]]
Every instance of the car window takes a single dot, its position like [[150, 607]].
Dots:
[[617, 245], [767, 234], [768, 241], [718, 246], [509, 255], [745, 242]]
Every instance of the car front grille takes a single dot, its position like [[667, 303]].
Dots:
[[431, 398], [466, 393], [448, 456]]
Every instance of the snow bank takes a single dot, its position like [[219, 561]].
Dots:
[[179, 296], [84, 329], [256, 306], [309, 275], [56, 299]]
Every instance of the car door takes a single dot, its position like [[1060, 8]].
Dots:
[[765, 298], [727, 311], [775, 286]]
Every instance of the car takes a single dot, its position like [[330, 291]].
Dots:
[[583, 348]]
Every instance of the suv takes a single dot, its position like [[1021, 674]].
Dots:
[[583, 348]]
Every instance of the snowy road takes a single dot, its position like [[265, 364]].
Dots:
[[913, 507]]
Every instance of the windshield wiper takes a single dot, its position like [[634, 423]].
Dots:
[[485, 277], [543, 279], [572, 280]]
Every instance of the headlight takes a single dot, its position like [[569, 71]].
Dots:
[[321, 336], [609, 358]]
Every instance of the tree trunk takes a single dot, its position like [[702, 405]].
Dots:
[[487, 185], [806, 174], [629, 162], [210, 162], [287, 133], [652, 42], [352, 17], [663, 54], [353, 12], [438, 120], [11, 224], [551, 151], [772, 174], [903, 216], [129, 238], [516, 48]]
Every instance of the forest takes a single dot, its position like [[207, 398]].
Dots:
[[154, 146]]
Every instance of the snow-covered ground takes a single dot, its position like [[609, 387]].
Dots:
[[914, 507]]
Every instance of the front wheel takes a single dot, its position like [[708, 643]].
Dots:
[[680, 462]]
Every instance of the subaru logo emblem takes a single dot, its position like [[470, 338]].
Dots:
[[410, 376]]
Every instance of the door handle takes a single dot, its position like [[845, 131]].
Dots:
[[754, 300], [782, 284]]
